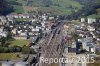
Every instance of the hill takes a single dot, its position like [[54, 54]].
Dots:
[[97, 14], [5, 7], [58, 7], [91, 9]]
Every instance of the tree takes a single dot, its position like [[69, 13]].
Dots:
[[1, 48], [3, 41], [10, 36], [6, 50], [5, 7], [28, 50], [89, 8], [16, 49]]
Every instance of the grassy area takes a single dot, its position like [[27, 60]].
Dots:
[[18, 9], [9, 56], [62, 3], [55, 10], [65, 7], [58, 7], [94, 16], [20, 42], [22, 19], [76, 22], [67, 3]]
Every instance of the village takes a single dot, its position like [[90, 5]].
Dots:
[[81, 36]]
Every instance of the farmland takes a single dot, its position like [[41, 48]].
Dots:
[[20, 43], [9, 56]]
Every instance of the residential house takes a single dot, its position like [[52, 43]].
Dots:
[[83, 20], [14, 31], [3, 34], [91, 20], [2, 20], [90, 28], [88, 44]]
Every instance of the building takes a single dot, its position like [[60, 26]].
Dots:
[[3, 34], [2, 20], [90, 20], [90, 28], [34, 39], [88, 44], [21, 16], [83, 20]]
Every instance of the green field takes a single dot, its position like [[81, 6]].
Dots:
[[22, 19], [18, 9], [9, 56], [65, 7], [20, 42], [55, 10], [67, 3], [62, 3]]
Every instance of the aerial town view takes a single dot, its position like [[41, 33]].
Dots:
[[49, 32]]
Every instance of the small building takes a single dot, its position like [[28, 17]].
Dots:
[[3, 34], [51, 18], [14, 31], [88, 44], [90, 20], [15, 16], [3, 20], [35, 39], [44, 17], [1, 23], [1, 29], [23, 34], [83, 20], [90, 28]]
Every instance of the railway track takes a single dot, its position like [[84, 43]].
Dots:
[[49, 48]]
